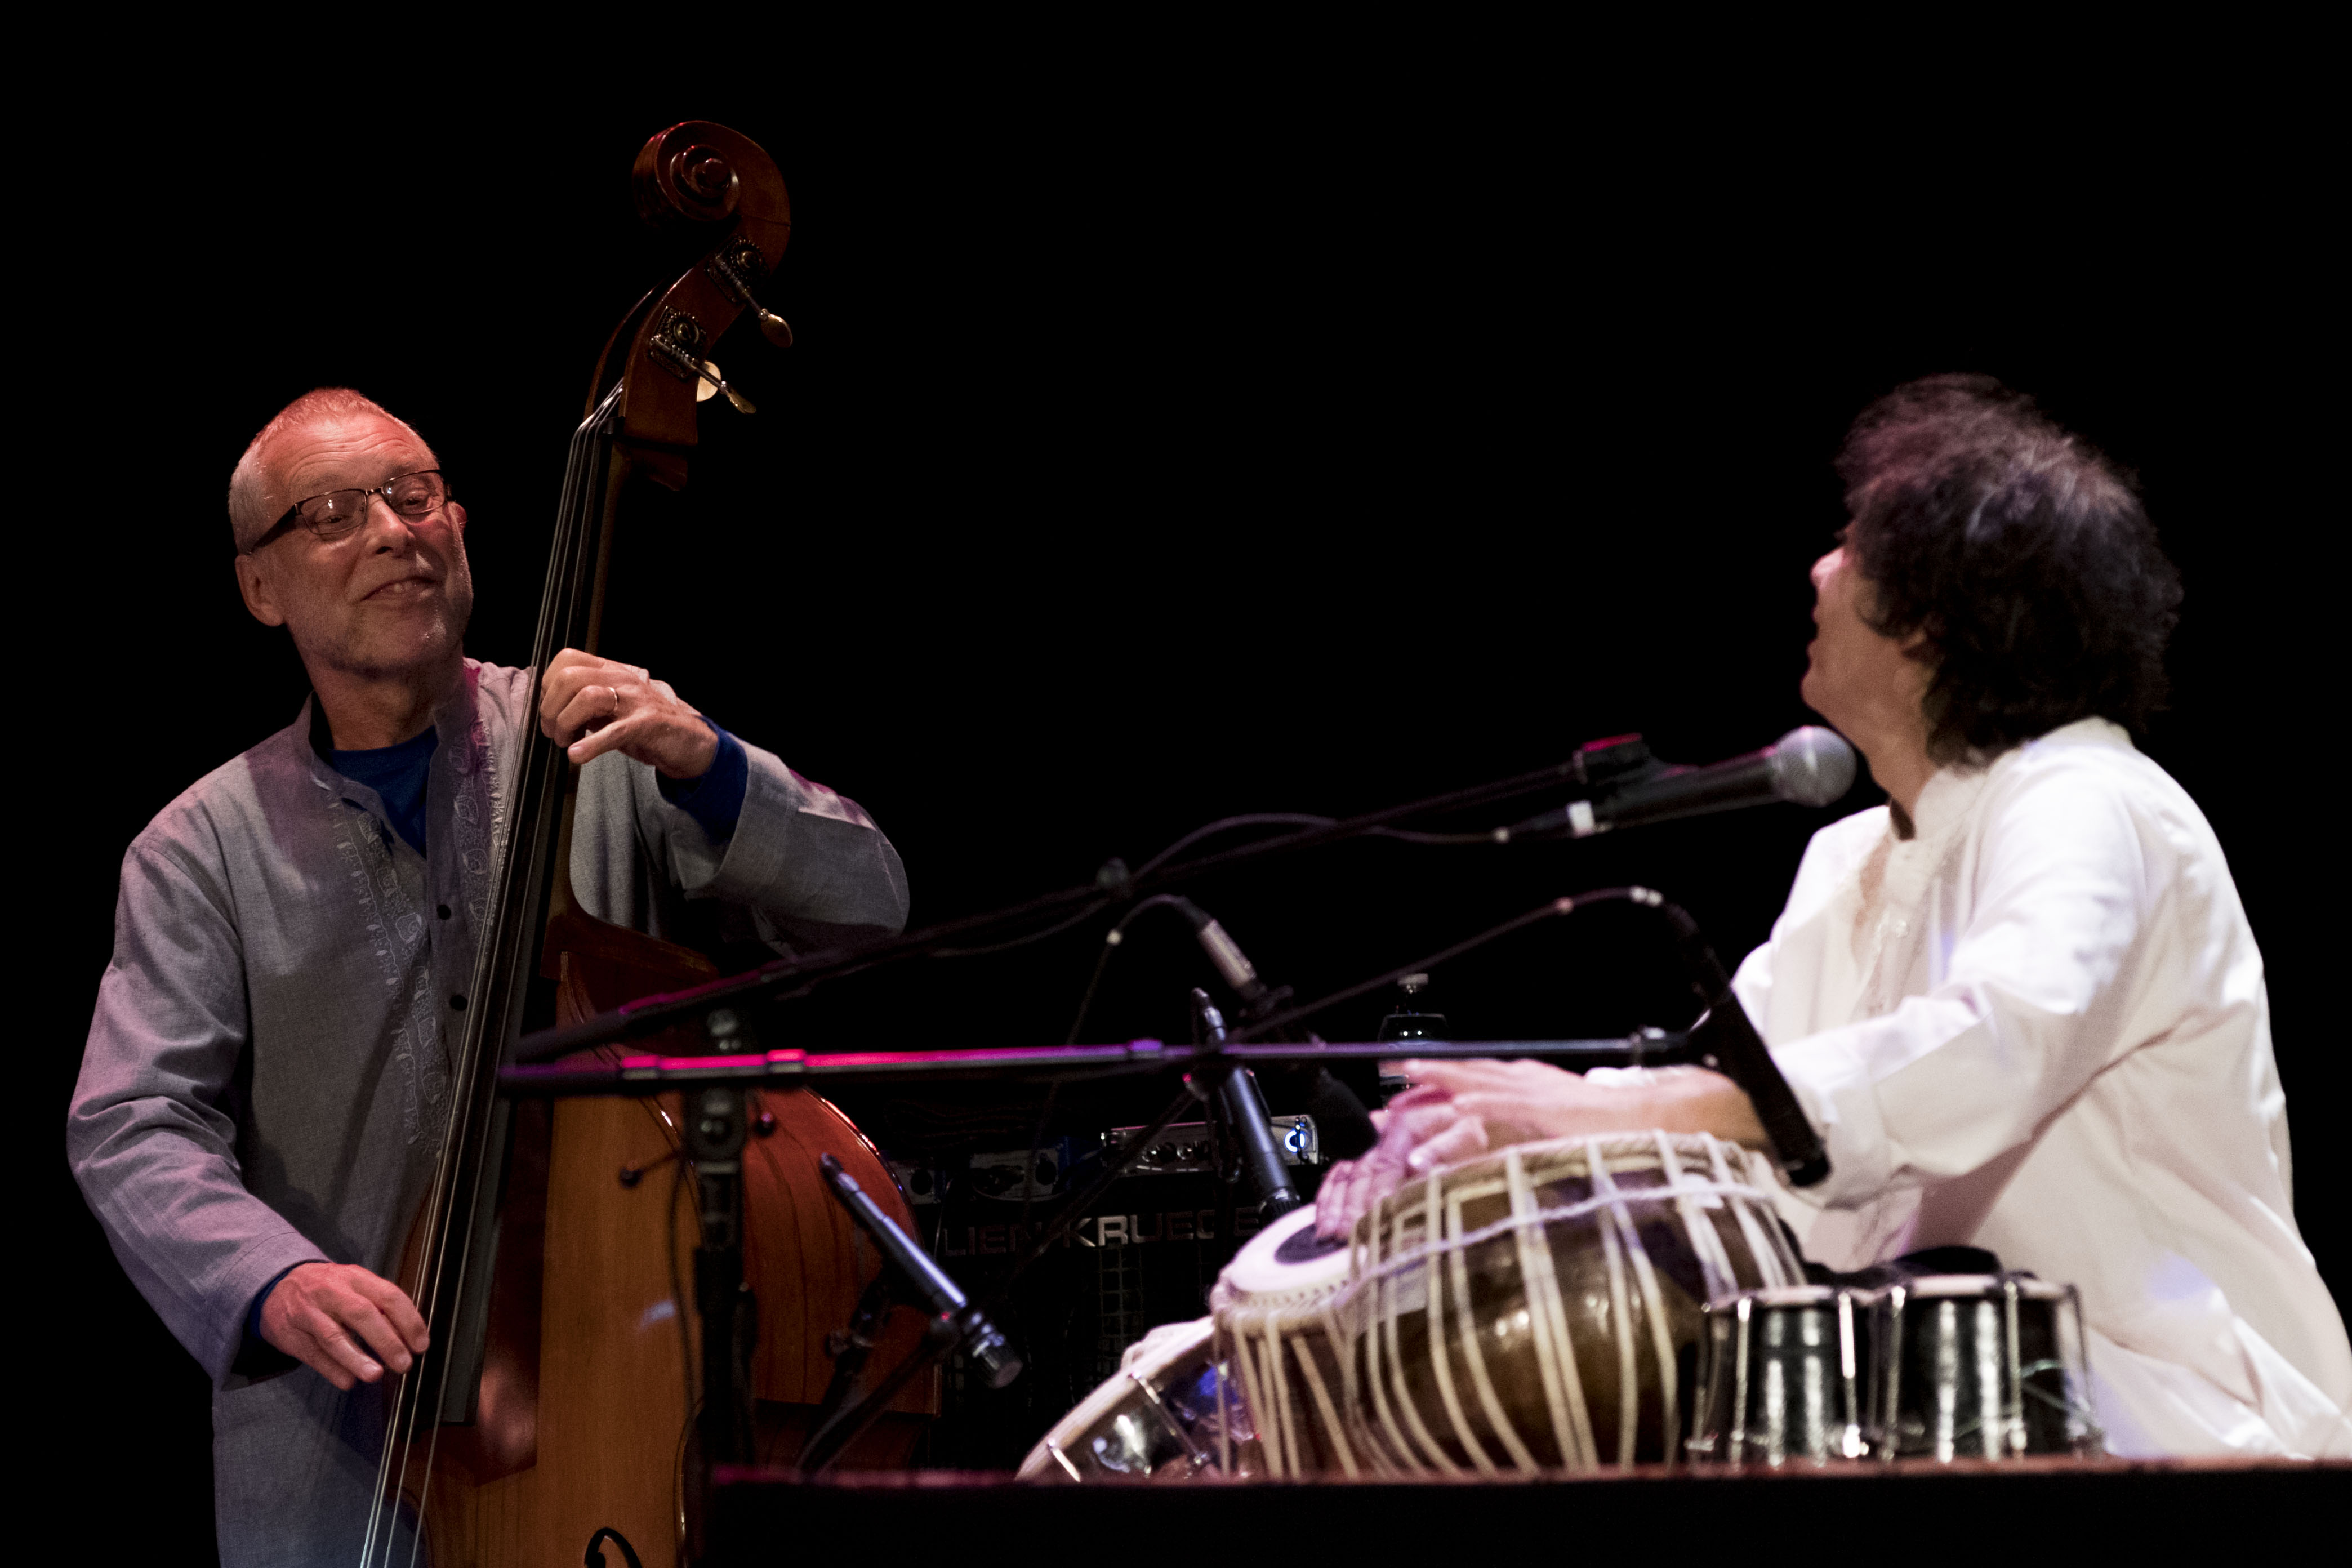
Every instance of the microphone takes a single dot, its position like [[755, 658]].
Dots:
[[987, 1348], [1808, 766], [1232, 964], [1338, 1114], [1245, 1112]]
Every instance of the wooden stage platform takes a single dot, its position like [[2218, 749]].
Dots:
[[2258, 1510]]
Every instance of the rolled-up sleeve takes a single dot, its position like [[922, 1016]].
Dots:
[[150, 1134], [2024, 1009]]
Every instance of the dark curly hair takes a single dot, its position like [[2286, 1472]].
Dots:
[[2021, 552]]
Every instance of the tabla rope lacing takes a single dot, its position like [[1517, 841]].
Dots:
[[1323, 1402], [1392, 1342], [1522, 1457], [1572, 1423], [1436, 1221], [1691, 1187], [1655, 1308], [1375, 1375]]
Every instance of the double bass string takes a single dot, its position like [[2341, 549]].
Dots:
[[466, 1127]]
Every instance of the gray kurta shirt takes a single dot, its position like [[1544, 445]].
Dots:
[[268, 1073]]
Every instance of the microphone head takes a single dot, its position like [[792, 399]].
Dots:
[[1811, 766]]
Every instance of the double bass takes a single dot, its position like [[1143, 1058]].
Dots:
[[554, 1257]]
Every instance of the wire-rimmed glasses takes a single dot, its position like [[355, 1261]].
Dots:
[[333, 515]]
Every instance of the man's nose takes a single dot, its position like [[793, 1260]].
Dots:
[[1825, 566], [387, 530]]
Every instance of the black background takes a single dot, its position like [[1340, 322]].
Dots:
[[1134, 469]]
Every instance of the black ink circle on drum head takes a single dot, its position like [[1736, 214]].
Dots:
[[1300, 1247]]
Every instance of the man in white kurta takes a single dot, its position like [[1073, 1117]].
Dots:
[[2020, 1002], [2038, 1025]]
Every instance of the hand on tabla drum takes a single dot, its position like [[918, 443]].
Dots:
[[1459, 1110]]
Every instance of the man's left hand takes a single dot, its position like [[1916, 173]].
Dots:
[[593, 705]]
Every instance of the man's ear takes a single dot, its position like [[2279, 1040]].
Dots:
[[457, 517], [254, 585]]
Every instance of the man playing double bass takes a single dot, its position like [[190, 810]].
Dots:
[[2020, 1002], [267, 1076]]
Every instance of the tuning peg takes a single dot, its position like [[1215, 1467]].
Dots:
[[712, 381], [733, 269]]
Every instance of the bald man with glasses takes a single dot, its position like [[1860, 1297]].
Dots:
[[266, 1081]]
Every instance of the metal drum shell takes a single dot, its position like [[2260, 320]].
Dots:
[[1540, 1307], [1990, 1366], [1160, 1418], [1784, 1376]]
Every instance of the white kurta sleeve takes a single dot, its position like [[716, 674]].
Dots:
[[2024, 1005]]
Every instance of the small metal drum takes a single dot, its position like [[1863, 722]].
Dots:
[[1988, 1366], [1783, 1375], [1532, 1310], [1162, 1419], [1274, 1333]]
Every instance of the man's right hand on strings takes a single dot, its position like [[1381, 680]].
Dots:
[[344, 1322]]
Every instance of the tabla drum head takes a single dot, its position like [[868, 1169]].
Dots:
[[1152, 1420], [1285, 1260]]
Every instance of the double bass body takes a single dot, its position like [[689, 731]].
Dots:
[[579, 1416]]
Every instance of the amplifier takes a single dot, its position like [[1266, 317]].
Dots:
[[1146, 1255]]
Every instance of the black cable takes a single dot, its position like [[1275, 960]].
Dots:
[[1541, 912], [775, 979], [1089, 912], [1110, 943], [1251, 819]]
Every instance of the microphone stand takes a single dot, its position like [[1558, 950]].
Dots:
[[1239, 1112], [954, 1323]]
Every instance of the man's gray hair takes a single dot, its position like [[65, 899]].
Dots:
[[253, 505]]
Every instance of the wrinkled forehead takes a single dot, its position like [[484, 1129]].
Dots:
[[359, 452]]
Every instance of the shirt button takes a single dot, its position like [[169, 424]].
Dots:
[[456, 1003], [443, 910], [1900, 927]]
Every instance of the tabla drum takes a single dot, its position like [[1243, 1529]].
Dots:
[[1539, 1308], [1784, 1375], [1277, 1337], [1980, 1366], [1162, 1418]]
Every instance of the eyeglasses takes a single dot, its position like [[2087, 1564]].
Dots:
[[340, 512]]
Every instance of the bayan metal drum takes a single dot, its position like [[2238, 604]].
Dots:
[[1783, 1374], [1533, 1309], [1276, 1338], [1988, 1366], [1161, 1418]]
